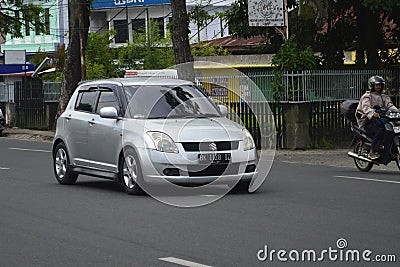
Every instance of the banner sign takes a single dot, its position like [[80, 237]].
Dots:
[[16, 69], [124, 3], [266, 13]]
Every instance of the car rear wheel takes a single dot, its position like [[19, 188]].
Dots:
[[130, 172], [61, 166]]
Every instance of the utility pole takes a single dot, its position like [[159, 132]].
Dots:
[[286, 19], [83, 19]]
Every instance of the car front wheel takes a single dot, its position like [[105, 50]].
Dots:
[[242, 187], [130, 172], [61, 165]]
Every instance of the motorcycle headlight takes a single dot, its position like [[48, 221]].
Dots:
[[248, 140], [163, 142]]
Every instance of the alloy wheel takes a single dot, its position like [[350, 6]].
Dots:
[[61, 163], [130, 171]]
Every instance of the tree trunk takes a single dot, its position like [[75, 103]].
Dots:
[[369, 34], [180, 40], [74, 68]]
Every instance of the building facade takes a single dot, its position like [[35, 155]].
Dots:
[[126, 16], [55, 17]]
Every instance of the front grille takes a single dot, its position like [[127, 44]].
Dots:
[[208, 146], [213, 170]]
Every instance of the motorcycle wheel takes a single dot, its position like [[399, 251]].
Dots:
[[397, 159], [362, 150]]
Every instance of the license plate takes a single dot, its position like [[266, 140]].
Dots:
[[396, 129], [215, 158]]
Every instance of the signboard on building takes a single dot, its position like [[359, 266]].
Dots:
[[16, 69], [266, 13], [14, 56], [97, 4]]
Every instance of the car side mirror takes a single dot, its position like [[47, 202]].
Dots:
[[223, 109], [109, 113]]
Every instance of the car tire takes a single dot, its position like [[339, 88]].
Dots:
[[62, 167], [242, 187], [130, 172]]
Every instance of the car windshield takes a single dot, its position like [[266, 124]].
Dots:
[[161, 102]]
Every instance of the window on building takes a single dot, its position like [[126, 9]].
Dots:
[[139, 25], [47, 20], [160, 22], [27, 28], [37, 26], [121, 27], [17, 15]]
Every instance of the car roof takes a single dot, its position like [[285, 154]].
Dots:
[[138, 81]]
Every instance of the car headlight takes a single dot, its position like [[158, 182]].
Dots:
[[248, 140], [163, 142]]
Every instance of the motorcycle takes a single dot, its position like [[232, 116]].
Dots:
[[2, 122], [361, 142]]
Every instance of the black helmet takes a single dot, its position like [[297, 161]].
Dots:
[[375, 80]]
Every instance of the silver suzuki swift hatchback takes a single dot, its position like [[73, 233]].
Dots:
[[143, 131]]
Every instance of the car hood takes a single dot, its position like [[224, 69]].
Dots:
[[197, 129]]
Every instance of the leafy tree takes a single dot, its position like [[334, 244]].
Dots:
[[303, 27], [99, 56], [204, 50], [147, 51], [200, 16], [38, 57], [363, 26], [320, 8], [340, 30], [15, 14], [290, 58], [96, 70], [373, 15]]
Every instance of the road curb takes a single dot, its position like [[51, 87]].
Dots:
[[26, 134]]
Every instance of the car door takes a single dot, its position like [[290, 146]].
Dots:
[[104, 134], [77, 124]]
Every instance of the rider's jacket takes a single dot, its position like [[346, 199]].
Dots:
[[367, 102]]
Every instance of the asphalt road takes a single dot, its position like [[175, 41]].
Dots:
[[94, 223]]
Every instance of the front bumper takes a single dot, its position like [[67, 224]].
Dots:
[[188, 170]]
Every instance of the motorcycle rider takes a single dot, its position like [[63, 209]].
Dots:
[[368, 116]]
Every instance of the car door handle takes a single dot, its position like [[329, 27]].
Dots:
[[68, 117], [91, 122]]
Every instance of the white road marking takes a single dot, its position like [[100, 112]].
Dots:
[[27, 149], [1, 168], [293, 162], [183, 262], [368, 179], [208, 195]]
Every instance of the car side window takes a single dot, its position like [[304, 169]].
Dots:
[[86, 101], [107, 99]]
